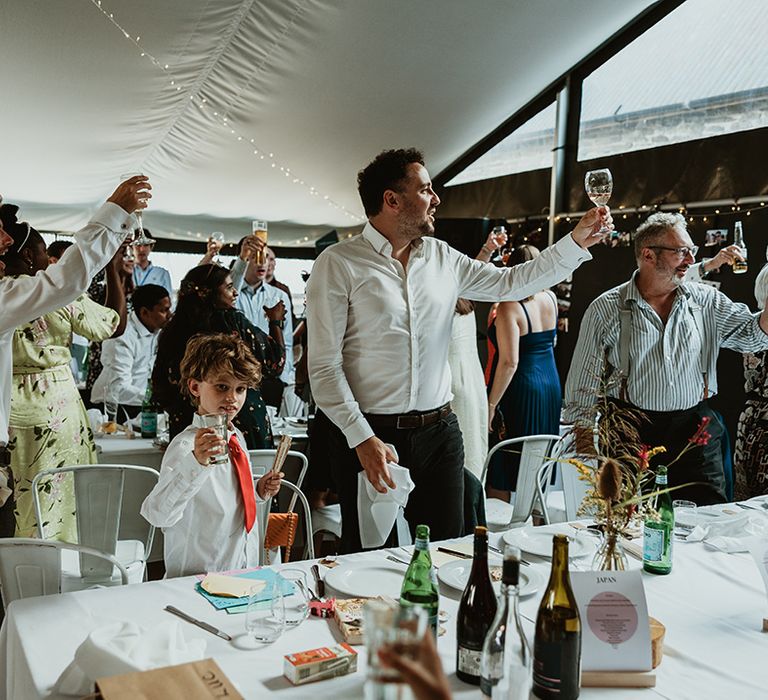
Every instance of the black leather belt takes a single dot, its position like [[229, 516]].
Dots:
[[408, 421]]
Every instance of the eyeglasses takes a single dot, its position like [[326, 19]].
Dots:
[[680, 252]]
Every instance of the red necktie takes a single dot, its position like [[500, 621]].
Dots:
[[243, 468]]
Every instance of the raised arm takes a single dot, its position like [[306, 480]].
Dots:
[[508, 338], [25, 298]]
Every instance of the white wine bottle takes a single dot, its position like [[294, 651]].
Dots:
[[557, 644], [505, 669]]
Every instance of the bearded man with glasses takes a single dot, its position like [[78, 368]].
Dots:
[[653, 342]]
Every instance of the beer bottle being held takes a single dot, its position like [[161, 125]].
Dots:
[[739, 266], [557, 644], [420, 582], [505, 669], [476, 612], [657, 534]]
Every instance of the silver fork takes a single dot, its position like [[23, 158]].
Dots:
[[399, 561]]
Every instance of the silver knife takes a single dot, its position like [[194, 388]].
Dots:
[[319, 583], [199, 623]]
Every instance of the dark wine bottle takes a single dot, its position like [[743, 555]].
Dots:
[[557, 644], [476, 612]]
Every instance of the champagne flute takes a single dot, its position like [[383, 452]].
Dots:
[[217, 236], [599, 186], [137, 214], [500, 238]]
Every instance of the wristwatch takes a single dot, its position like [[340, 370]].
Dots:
[[280, 323]]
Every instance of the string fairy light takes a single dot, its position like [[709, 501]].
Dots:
[[221, 118]]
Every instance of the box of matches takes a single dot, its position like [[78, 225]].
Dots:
[[319, 664]]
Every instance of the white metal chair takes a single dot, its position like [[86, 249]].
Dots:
[[262, 460], [32, 567], [536, 451], [564, 505], [102, 521], [264, 508]]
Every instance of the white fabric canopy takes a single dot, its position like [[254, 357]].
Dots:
[[319, 86]]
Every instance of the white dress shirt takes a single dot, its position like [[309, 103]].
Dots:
[[378, 334], [252, 300], [201, 511], [26, 298], [153, 275], [127, 363]]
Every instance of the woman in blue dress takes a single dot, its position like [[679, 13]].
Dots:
[[521, 375]]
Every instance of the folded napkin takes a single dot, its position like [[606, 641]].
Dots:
[[124, 647], [726, 534], [376, 511]]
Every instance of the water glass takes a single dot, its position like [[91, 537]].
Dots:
[[265, 616], [397, 627], [219, 422], [296, 604], [685, 512]]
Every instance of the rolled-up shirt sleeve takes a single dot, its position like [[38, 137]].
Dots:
[[327, 308]]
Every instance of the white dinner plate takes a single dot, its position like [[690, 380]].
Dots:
[[455, 574], [367, 579], [538, 541]]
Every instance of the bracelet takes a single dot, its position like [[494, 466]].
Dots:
[[279, 323]]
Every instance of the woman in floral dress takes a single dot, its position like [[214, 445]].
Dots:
[[48, 424]]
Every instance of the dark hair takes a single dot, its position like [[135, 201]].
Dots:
[[57, 248], [208, 356], [385, 172], [23, 235], [521, 254], [195, 306], [147, 296]]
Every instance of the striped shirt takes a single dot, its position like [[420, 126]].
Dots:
[[665, 359]]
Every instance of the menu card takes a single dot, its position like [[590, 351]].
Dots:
[[615, 632]]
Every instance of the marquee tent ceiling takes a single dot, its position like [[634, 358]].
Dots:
[[315, 87]]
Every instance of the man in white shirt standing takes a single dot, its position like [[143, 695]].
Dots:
[[26, 298], [256, 295], [144, 271], [127, 360], [379, 313]]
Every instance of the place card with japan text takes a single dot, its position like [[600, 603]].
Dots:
[[615, 631]]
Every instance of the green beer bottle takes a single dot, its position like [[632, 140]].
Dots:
[[420, 582], [657, 534], [148, 414]]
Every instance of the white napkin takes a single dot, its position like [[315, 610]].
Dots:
[[124, 647], [726, 534], [96, 418], [377, 512]]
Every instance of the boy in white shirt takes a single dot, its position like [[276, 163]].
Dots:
[[207, 511]]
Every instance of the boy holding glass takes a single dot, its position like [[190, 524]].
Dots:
[[205, 499]]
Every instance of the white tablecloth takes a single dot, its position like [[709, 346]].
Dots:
[[712, 605], [119, 449]]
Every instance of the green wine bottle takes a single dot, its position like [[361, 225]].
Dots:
[[420, 582], [657, 534]]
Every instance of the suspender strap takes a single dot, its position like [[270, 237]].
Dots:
[[698, 320], [625, 340]]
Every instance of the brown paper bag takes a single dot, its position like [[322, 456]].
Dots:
[[199, 679]]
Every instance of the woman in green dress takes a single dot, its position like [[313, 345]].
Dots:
[[49, 427], [206, 304]]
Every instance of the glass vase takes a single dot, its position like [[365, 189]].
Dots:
[[610, 554]]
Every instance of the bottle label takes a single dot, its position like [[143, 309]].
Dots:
[[148, 423], [469, 661], [557, 670], [653, 544]]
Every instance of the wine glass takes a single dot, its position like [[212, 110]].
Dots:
[[500, 238], [137, 214], [218, 237], [599, 186]]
